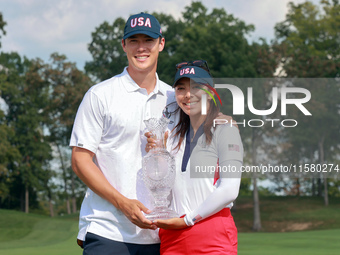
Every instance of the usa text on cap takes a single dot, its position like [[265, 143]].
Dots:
[[142, 23], [195, 73]]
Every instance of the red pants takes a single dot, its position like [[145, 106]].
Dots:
[[214, 235]]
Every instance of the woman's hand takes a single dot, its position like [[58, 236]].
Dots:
[[174, 223], [227, 118], [151, 142]]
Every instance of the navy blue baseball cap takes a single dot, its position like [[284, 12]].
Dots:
[[142, 23], [199, 75]]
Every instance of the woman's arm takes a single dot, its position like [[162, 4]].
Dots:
[[224, 194]]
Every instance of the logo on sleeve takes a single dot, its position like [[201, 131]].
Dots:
[[233, 147]]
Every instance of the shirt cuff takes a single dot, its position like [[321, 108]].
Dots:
[[188, 221]]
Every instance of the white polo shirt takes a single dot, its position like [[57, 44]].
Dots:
[[109, 123]]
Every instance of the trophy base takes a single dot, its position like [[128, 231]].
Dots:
[[161, 213]]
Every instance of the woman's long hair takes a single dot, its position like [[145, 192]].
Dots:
[[184, 124]]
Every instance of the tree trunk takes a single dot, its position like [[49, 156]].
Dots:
[[74, 205], [325, 182], [49, 193], [257, 217], [322, 160], [74, 202], [51, 208], [313, 187], [68, 208], [297, 187], [313, 179], [256, 201], [26, 200], [319, 187]]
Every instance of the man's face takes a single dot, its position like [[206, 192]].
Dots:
[[142, 51]]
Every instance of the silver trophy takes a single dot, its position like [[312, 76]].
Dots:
[[159, 171]]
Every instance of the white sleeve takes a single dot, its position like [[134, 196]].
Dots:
[[88, 124], [226, 192]]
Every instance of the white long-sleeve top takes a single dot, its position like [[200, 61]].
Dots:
[[196, 192]]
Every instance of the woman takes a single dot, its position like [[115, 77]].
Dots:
[[207, 226]]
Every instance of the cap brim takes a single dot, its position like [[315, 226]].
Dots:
[[196, 79], [151, 34]]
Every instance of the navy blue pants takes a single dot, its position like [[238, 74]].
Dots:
[[97, 245]]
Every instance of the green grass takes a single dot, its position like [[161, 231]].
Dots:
[[317, 242], [68, 247], [285, 214], [37, 235], [33, 234]]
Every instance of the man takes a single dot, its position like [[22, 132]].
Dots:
[[108, 147]]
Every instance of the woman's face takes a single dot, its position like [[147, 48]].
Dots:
[[189, 96]]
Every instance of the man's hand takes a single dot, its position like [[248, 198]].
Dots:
[[133, 209], [174, 223], [221, 116], [90, 174]]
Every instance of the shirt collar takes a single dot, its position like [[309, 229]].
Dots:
[[199, 133], [132, 86]]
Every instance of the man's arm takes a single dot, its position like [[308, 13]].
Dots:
[[90, 174]]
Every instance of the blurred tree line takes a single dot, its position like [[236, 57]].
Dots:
[[38, 101]]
